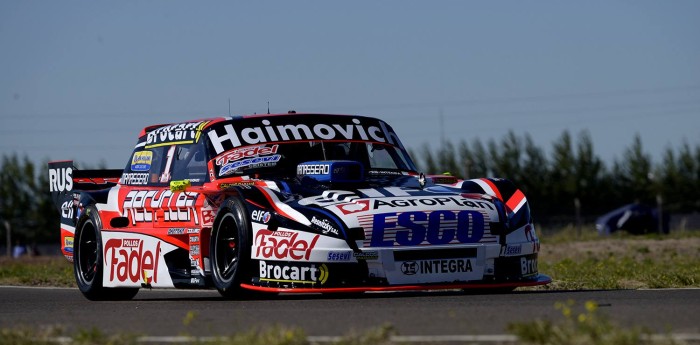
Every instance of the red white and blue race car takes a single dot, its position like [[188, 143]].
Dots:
[[287, 203]]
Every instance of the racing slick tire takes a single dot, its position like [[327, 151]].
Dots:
[[230, 249], [88, 261]]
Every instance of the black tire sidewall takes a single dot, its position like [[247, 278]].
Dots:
[[232, 207], [91, 290], [95, 290]]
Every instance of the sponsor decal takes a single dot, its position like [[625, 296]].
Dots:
[[283, 129], [194, 281], [511, 250], [283, 245], [390, 203], [440, 266], [528, 266], [208, 217], [354, 207], [176, 231], [177, 207], [325, 225], [314, 169], [433, 201], [246, 152], [261, 216], [180, 185], [339, 256], [384, 172], [137, 179], [436, 227], [183, 133], [194, 249], [142, 161], [236, 184], [288, 273], [60, 180], [129, 260], [70, 206], [366, 255], [68, 244], [257, 162]]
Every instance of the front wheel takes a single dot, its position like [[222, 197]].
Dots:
[[230, 248], [88, 261]]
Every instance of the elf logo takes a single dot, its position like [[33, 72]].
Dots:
[[61, 179]]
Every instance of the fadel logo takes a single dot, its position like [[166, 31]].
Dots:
[[128, 260], [60, 180], [283, 245], [437, 227], [261, 216]]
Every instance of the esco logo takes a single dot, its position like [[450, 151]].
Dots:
[[437, 227]]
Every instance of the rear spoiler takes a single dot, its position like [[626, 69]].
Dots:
[[65, 180]]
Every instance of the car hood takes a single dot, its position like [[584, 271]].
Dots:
[[405, 216]]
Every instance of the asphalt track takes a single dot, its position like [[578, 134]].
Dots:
[[163, 312]]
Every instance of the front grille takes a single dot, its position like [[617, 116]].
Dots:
[[410, 255]]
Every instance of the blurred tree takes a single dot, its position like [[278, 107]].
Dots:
[[506, 157], [447, 162], [633, 175], [562, 184], [25, 202], [588, 177], [535, 178]]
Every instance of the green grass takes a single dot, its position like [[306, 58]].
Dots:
[[274, 335], [621, 261], [624, 272], [36, 271], [582, 324]]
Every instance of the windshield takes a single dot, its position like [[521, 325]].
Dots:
[[282, 159]]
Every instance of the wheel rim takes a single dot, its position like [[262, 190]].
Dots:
[[87, 254], [226, 249]]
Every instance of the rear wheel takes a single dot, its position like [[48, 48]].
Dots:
[[88, 261], [230, 248]]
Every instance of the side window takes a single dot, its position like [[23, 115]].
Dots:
[[379, 157], [189, 163], [160, 165]]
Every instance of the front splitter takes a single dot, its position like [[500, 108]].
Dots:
[[541, 280]]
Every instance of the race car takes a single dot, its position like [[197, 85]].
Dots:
[[287, 203]]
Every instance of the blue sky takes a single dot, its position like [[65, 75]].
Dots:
[[79, 79]]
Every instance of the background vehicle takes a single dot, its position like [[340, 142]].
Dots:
[[287, 203]]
